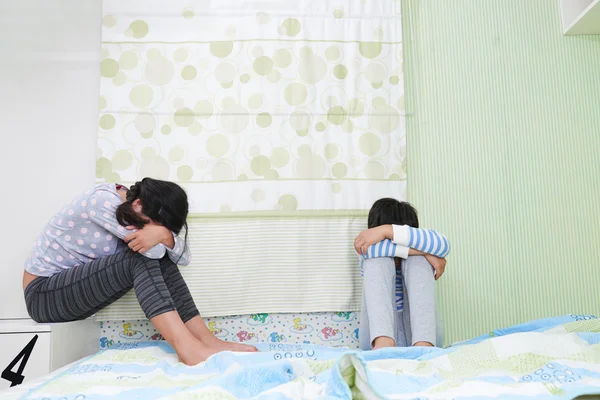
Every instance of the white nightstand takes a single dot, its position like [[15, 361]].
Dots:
[[29, 350]]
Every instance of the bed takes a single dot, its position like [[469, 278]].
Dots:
[[555, 358]]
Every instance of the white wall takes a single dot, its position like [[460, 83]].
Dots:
[[49, 89]]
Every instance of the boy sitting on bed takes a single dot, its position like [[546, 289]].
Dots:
[[398, 258]]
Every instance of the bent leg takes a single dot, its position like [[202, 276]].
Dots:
[[84, 290], [80, 292], [421, 318], [379, 309], [184, 303]]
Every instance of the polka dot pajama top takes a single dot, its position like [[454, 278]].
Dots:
[[86, 230]]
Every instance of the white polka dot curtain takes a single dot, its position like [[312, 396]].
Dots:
[[257, 108]]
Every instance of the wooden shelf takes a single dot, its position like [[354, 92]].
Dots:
[[581, 17]]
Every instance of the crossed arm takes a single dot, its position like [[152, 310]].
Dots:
[[152, 241], [403, 241]]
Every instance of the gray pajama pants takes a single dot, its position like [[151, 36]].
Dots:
[[82, 291], [418, 322]]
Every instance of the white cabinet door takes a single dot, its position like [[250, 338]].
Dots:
[[23, 356]]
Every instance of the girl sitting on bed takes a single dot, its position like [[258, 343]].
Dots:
[[112, 239], [396, 259]]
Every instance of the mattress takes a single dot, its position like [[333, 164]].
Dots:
[[555, 358]]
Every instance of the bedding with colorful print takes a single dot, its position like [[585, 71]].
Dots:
[[555, 358]]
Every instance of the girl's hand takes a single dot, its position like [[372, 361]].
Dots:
[[146, 238], [438, 264], [372, 236]]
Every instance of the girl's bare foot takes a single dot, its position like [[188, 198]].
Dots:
[[383, 342], [240, 347], [199, 329], [193, 352], [223, 345]]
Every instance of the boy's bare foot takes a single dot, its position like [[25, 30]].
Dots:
[[423, 344], [382, 342]]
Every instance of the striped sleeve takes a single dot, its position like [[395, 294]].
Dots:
[[425, 240], [386, 248]]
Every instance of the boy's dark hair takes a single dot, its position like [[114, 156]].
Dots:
[[389, 211]]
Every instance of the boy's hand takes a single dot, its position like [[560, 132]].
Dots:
[[438, 264], [372, 236], [146, 238]]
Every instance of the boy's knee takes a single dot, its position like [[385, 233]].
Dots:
[[381, 262], [416, 266], [416, 262], [377, 269]]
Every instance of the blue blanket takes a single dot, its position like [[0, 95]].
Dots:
[[555, 358]]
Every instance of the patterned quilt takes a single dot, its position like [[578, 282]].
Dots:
[[555, 358]]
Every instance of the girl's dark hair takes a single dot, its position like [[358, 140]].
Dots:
[[392, 212], [165, 203]]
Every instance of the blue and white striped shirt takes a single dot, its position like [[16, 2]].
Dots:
[[405, 237]]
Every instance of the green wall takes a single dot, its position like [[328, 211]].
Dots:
[[504, 157]]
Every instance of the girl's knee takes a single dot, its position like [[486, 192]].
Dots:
[[166, 263], [136, 259]]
